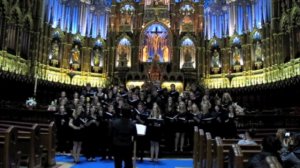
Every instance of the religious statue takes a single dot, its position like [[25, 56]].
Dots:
[[165, 53], [75, 56], [55, 50], [126, 18], [123, 57], [157, 2], [236, 56], [145, 54], [188, 63], [258, 52], [216, 59], [98, 59]]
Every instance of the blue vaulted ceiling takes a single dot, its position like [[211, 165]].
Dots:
[[222, 17]]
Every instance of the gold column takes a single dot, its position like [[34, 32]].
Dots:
[[85, 59], [246, 49], [66, 48]]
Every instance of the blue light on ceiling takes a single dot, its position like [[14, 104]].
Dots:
[[75, 17]]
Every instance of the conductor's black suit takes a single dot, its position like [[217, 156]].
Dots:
[[123, 130]]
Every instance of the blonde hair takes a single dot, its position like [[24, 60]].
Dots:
[[226, 97], [157, 113], [280, 133]]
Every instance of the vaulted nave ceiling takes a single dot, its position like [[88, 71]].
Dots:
[[222, 17]]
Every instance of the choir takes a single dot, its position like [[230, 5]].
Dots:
[[169, 116]]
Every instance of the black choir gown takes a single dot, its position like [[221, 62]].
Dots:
[[154, 130], [78, 135], [62, 133], [181, 123], [92, 137]]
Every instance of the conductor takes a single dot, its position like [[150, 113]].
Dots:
[[123, 131]]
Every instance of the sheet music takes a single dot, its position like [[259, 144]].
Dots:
[[141, 129], [180, 118], [172, 118], [123, 95], [109, 114], [83, 120], [137, 111]]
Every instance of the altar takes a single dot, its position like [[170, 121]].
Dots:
[[166, 84]]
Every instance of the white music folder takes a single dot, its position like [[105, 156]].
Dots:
[[141, 129]]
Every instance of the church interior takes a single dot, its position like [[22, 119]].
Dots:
[[214, 82]]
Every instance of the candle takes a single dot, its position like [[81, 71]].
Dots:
[[35, 86]]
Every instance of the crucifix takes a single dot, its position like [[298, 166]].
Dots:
[[155, 39]]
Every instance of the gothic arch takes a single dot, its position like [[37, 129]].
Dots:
[[122, 36], [190, 36], [126, 11], [187, 52], [28, 19], [214, 42], [57, 34], [99, 40], [123, 51], [186, 11], [123, 4], [256, 35], [295, 15], [16, 14], [235, 39], [157, 22], [284, 22], [4, 7], [186, 8]]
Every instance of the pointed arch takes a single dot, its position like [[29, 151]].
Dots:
[[295, 15], [28, 19], [16, 14], [25, 39], [123, 51], [284, 22], [186, 10], [97, 54], [236, 49], [13, 29], [4, 7]]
